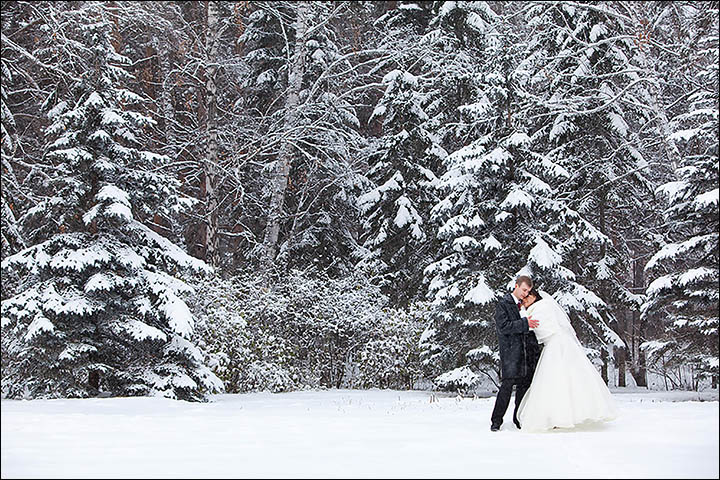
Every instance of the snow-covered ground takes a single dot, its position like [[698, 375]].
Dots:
[[351, 433]]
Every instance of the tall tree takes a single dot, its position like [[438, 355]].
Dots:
[[325, 173], [211, 128], [683, 297], [306, 142], [503, 211], [296, 70], [96, 306], [402, 169], [12, 238], [593, 106], [403, 162]]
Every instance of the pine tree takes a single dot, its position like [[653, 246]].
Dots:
[[502, 213], [403, 164], [683, 295], [98, 307], [591, 113], [593, 106], [12, 238], [402, 170]]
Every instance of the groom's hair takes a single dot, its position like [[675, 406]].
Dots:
[[524, 279]]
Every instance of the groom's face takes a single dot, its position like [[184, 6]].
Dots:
[[521, 290]]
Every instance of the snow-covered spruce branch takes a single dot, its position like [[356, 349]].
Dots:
[[604, 41], [594, 163], [606, 104], [604, 11], [614, 180], [14, 46], [340, 6], [326, 75], [298, 215]]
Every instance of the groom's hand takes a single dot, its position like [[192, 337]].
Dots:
[[532, 323]]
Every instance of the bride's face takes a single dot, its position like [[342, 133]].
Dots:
[[529, 300]]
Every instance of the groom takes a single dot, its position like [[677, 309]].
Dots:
[[519, 350]]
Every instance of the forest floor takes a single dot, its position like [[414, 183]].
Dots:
[[351, 434]]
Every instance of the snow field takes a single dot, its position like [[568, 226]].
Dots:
[[349, 433]]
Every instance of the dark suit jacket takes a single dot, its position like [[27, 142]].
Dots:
[[519, 349]]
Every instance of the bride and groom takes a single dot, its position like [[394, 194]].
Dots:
[[558, 388]]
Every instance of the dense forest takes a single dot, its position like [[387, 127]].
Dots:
[[201, 197]]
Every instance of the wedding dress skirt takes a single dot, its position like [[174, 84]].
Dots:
[[566, 389]]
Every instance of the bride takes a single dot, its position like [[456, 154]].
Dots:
[[566, 389]]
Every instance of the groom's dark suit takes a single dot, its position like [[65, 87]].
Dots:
[[519, 352]]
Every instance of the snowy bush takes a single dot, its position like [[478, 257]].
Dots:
[[461, 379], [305, 331], [240, 352], [391, 358]]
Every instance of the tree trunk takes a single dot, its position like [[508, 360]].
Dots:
[[641, 376], [639, 370], [282, 167], [620, 360], [94, 380], [601, 212], [211, 158], [604, 368], [671, 150], [166, 103]]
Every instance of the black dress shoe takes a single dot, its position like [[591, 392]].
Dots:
[[517, 424], [494, 427]]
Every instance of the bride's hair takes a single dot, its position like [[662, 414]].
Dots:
[[533, 291]]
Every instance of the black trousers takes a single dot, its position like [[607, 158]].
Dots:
[[503, 397]]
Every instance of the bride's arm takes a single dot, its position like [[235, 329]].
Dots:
[[543, 312]]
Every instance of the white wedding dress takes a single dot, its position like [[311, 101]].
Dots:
[[566, 389]]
